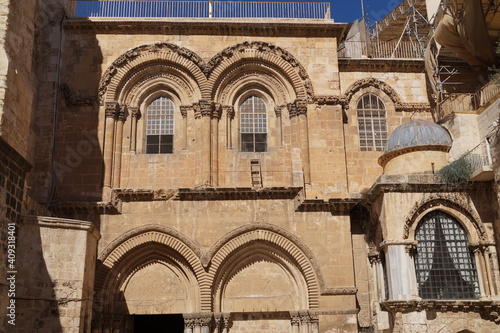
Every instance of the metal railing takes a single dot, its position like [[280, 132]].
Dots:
[[479, 156], [468, 102], [384, 50], [202, 9]]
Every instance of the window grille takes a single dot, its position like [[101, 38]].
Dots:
[[253, 125], [160, 126], [444, 264], [372, 123]]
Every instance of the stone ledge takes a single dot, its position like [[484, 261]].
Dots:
[[381, 65], [488, 308]]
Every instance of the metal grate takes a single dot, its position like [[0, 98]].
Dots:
[[253, 125], [160, 126], [372, 123], [444, 265]]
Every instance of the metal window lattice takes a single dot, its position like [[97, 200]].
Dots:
[[444, 264], [372, 123], [253, 125], [160, 117]]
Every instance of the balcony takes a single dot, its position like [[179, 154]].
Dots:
[[480, 162], [202, 9], [468, 103], [380, 50]]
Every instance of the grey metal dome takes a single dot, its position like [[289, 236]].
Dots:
[[417, 132]]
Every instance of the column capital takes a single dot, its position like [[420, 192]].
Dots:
[[185, 109], [297, 108], [122, 113], [135, 112], [110, 108], [229, 111]]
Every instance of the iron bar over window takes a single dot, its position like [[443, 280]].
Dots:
[[160, 126], [372, 123], [444, 263], [253, 125]]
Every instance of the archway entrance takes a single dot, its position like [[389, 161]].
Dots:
[[172, 323]]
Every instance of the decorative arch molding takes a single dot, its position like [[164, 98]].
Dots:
[[140, 245], [144, 55], [387, 89], [459, 204], [277, 238], [256, 75], [264, 53], [371, 82]]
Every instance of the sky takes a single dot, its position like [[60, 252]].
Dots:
[[346, 11]]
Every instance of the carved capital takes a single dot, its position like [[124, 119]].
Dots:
[[411, 249], [374, 258], [292, 110], [206, 107], [189, 322], [304, 318], [216, 111], [295, 320], [278, 110], [185, 109], [229, 111], [298, 107], [122, 113], [135, 112], [111, 109]]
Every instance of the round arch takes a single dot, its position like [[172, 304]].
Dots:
[[265, 242], [468, 218], [143, 61], [142, 247], [266, 58], [371, 82]]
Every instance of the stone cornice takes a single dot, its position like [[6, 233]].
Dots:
[[339, 291], [424, 183], [382, 160], [381, 65], [340, 205], [238, 27], [84, 208], [486, 307], [237, 193]]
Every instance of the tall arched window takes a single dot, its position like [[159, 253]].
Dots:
[[160, 126], [372, 123], [253, 125], [444, 264]]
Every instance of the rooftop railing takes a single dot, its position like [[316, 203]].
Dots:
[[380, 50], [202, 9]]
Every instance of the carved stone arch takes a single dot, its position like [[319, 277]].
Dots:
[[266, 54], [141, 83], [149, 243], [143, 56], [254, 76], [371, 82], [280, 244], [459, 209]]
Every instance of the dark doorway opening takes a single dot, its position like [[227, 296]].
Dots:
[[172, 323]]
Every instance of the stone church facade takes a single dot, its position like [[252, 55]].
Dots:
[[218, 175]]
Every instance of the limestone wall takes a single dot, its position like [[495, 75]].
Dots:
[[55, 275]]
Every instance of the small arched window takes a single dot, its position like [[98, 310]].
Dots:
[[160, 126], [444, 264], [253, 125], [372, 123]]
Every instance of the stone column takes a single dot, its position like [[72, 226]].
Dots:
[[136, 115], [400, 274], [314, 322], [481, 276], [205, 111], [227, 323], [117, 159], [277, 111], [300, 136], [215, 117], [110, 109], [305, 322], [378, 280], [304, 138], [294, 322], [188, 324], [205, 322], [229, 111], [184, 111]]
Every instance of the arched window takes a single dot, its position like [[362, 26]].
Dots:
[[444, 264], [160, 126], [372, 123], [253, 125]]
